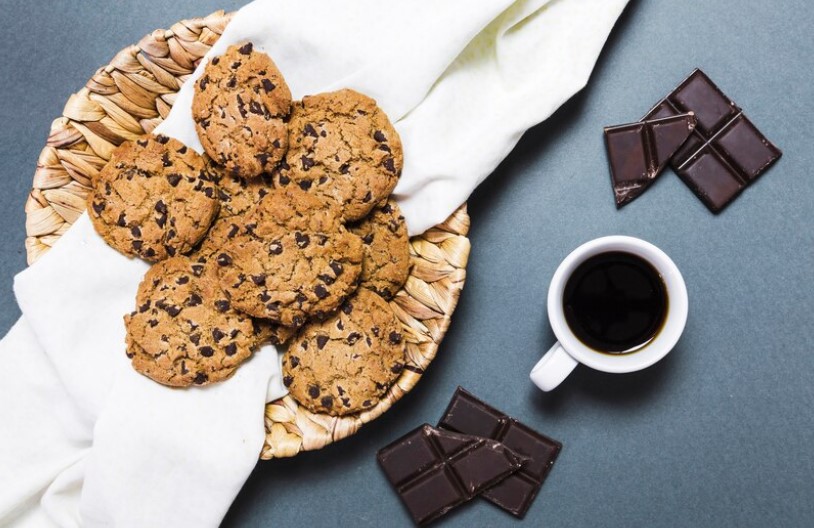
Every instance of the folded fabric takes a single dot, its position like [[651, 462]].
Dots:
[[460, 79]]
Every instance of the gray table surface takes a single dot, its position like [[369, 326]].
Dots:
[[721, 433]]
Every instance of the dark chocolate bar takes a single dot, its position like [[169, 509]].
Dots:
[[469, 415], [435, 471], [638, 152], [726, 152]]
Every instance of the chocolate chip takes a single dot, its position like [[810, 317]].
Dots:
[[367, 403], [265, 297], [347, 308], [385, 148], [327, 279], [294, 360], [275, 143], [322, 341], [222, 305], [207, 351], [339, 324], [267, 85], [309, 130], [173, 310], [195, 338], [300, 298], [200, 378], [336, 267], [224, 259], [209, 192], [389, 164], [297, 321], [137, 244], [398, 367], [169, 249], [320, 291], [153, 323], [174, 179], [182, 150], [275, 247], [236, 65], [313, 391], [165, 159], [241, 107], [255, 108], [217, 334], [340, 390], [98, 207], [368, 197], [215, 61], [194, 300], [183, 279], [283, 179], [346, 402], [307, 162], [197, 269], [305, 185], [353, 337], [368, 238], [375, 331], [170, 234], [379, 136], [259, 280], [161, 221], [162, 139], [161, 207], [287, 381], [344, 168], [142, 143], [246, 49], [327, 401], [387, 208], [233, 230], [395, 337], [263, 158], [302, 240]]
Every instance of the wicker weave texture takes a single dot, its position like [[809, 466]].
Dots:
[[131, 96]]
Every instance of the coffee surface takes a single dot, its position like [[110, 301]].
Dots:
[[615, 302]]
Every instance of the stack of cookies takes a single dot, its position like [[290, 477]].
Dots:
[[282, 232]]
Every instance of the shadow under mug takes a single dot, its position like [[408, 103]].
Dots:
[[569, 351]]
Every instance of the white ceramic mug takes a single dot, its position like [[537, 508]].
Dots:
[[569, 351]]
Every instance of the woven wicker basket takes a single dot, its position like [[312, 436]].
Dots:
[[129, 97]]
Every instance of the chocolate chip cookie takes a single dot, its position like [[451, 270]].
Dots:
[[292, 259], [387, 250], [154, 199], [184, 330], [222, 231], [346, 363], [342, 147], [240, 106]]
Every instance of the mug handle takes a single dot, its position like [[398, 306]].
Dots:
[[552, 368]]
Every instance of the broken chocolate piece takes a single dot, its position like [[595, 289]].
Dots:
[[725, 152], [469, 415], [434, 471], [638, 152]]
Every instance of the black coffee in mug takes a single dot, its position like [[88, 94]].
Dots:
[[615, 302]]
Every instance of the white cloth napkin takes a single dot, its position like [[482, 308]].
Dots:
[[87, 441]]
